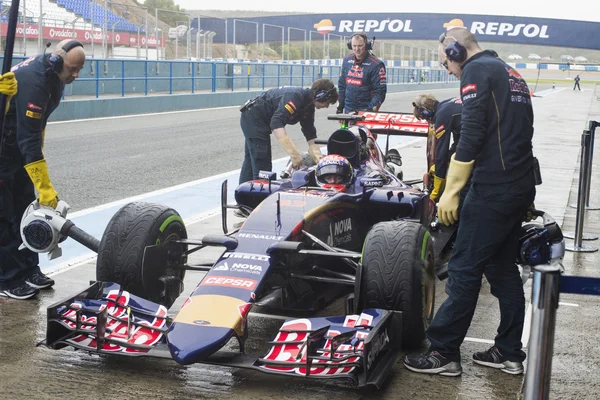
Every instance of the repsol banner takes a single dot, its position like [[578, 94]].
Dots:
[[487, 28]]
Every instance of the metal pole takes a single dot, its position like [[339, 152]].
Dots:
[[282, 42], [257, 41], [138, 43], [40, 36], [146, 29], [305, 44], [592, 128], [263, 43], [544, 294], [24, 29], [189, 38], [156, 31], [92, 21], [578, 236], [105, 31], [309, 45], [289, 43]]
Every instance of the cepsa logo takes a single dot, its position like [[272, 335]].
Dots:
[[501, 28], [238, 283]]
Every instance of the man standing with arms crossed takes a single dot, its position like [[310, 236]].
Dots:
[[42, 80], [362, 85], [495, 144]]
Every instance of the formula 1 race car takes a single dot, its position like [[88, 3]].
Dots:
[[301, 248]]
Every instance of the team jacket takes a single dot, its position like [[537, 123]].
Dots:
[[362, 85], [446, 126], [497, 120], [287, 106], [38, 96]]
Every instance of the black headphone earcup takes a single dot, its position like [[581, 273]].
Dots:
[[456, 52], [349, 44], [55, 64], [369, 45]]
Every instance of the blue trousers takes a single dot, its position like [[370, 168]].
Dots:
[[486, 244], [257, 148], [16, 193]]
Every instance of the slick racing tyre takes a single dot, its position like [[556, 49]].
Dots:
[[130, 230], [398, 273]]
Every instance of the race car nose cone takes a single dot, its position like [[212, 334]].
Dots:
[[191, 343]]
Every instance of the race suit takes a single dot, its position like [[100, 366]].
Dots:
[[38, 96], [362, 84], [446, 126]]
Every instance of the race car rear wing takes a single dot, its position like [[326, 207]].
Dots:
[[386, 123]]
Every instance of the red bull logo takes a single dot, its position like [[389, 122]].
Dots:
[[513, 73]]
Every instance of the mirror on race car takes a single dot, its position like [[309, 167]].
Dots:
[[368, 182], [267, 175]]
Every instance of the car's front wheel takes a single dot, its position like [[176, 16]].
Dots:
[[398, 273], [121, 252]]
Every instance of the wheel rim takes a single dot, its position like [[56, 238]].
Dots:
[[428, 289]]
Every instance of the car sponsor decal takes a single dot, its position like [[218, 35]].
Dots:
[[259, 236], [353, 82], [356, 72], [289, 108], [378, 344], [440, 128], [292, 104], [33, 114], [228, 281], [247, 256], [340, 232], [118, 325], [239, 267]]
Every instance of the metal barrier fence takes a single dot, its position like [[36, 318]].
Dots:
[[114, 77], [549, 282]]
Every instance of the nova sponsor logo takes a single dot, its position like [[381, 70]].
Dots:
[[225, 281], [373, 25], [468, 88], [239, 267], [340, 232], [259, 236], [247, 256]]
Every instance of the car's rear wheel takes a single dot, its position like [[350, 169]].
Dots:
[[120, 255], [398, 273]]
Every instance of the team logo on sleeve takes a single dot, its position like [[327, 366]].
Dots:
[[440, 131], [33, 114], [290, 106], [468, 88], [34, 107]]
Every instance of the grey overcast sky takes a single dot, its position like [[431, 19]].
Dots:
[[577, 10]]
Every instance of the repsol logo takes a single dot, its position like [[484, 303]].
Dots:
[[508, 29], [373, 25]]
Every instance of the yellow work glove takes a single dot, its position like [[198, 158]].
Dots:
[[457, 177], [38, 172], [8, 87], [315, 152], [438, 188], [292, 150]]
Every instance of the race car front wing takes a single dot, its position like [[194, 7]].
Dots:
[[106, 319]]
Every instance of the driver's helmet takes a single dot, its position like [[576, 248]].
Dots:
[[334, 172]]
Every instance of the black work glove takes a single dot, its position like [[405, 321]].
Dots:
[[340, 109]]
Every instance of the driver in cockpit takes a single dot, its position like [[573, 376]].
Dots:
[[334, 172]]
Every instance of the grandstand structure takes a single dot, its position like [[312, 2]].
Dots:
[[91, 22]]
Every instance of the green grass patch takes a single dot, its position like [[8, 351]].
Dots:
[[560, 81]]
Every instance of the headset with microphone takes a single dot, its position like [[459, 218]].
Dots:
[[368, 43], [454, 51], [424, 113], [56, 61], [323, 95]]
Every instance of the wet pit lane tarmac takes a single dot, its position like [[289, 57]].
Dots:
[[34, 372]]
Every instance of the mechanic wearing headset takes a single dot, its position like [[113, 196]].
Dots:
[[495, 144], [444, 122], [362, 84], [22, 165], [271, 112]]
